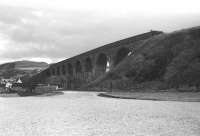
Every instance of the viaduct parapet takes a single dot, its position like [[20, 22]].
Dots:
[[79, 70]]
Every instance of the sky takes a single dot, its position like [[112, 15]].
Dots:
[[54, 30]]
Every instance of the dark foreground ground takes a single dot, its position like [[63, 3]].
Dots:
[[159, 96], [86, 114]]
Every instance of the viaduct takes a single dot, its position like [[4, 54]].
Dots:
[[79, 70]]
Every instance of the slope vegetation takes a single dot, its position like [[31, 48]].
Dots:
[[170, 59]]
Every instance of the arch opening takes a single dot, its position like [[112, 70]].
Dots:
[[78, 67], [88, 65], [63, 70], [48, 73], [121, 54], [70, 69], [53, 71], [101, 63], [58, 70]]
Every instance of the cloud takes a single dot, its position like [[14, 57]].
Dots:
[[32, 33], [48, 34]]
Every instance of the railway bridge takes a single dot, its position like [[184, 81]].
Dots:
[[79, 70]]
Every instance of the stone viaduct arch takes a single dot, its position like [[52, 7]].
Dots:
[[69, 69], [101, 63], [58, 70], [78, 67], [121, 54], [88, 66], [63, 69], [53, 71]]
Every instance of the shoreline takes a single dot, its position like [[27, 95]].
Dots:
[[4, 95], [154, 96]]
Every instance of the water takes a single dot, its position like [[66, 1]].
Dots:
[[86, 114]]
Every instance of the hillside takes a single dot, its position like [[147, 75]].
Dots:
[[169, 59], [21, 68]]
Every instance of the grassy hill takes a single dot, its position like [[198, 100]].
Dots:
[[12, 69], [169, 59]]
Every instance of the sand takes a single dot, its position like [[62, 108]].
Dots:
[[86, 114]]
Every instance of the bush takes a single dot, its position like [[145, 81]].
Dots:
[[18, 89], [45, 89]]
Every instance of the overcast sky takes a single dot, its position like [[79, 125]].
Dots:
[[53, 30]]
